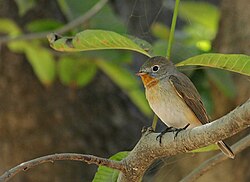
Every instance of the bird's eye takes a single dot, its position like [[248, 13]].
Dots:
[[155, 68]]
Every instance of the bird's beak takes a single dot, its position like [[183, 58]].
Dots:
[[141, 73]]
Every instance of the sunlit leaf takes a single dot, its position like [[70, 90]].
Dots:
[[94, 40], [105, 174], [127, 82], [206, 149], [233, 62], [76, 72]]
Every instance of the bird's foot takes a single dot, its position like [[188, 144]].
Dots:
[[177, 130], [166, 130], [171, 129]]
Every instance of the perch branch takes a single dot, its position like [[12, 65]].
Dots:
[[90, 159], [217, 159], [75, 23], [148, 149]]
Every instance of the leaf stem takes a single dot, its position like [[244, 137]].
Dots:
[[170, 43], [172, 30], [154, 123]]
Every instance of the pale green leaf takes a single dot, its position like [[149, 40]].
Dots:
[[43, 63], [232, 62], [41, 59], [76, 72], [18, 46], [206, 149], [10, 27], [94, 40], [105, 174], [127, 82]]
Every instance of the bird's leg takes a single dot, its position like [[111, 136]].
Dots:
[[177, 130], [167, 129]]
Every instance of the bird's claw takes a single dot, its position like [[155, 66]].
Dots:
[[168, 129], [171, 129], [177, 130]]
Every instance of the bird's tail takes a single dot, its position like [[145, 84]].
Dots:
[[225, 149]]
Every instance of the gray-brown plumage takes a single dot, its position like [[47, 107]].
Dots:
[[173, 97]]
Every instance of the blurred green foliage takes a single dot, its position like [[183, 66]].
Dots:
[[105, 174], [78, 69]]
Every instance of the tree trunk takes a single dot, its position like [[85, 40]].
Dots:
[[36, 121]]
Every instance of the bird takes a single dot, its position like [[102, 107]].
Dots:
[[173, 97]]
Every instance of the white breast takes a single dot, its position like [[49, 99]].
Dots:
[[169, 107]]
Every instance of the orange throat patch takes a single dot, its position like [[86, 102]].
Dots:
[[148, 81]]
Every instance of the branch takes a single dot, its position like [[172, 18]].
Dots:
[[217, 159], [75, 23], [148, 149], [90, 159]]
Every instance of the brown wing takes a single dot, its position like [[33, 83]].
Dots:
[[187, 91]]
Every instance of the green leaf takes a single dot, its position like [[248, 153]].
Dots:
[[141, 43], [105, 174], [233, 62], [94, 40], [206, 149], [160, 30], [10, 27], [76, 72], [128, 83], [18, 46], [42, 61], [40, 25], [25, 5]]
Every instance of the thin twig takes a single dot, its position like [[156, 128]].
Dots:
[[75, 23], [90, 159], [210, 163]]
